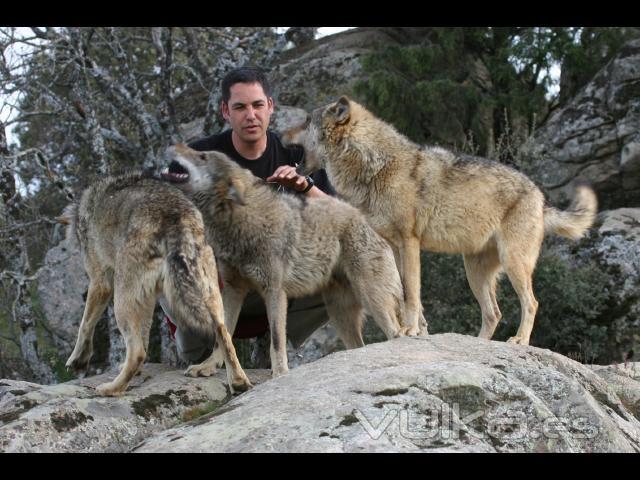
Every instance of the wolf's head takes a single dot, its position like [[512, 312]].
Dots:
[[211, 173], [324, 131], [345, 139]]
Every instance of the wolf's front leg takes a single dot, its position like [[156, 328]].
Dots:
[[276, 303], [410, 255]]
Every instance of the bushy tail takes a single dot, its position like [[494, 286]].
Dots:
[[188, 279], [573, 222]]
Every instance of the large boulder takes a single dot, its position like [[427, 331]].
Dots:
[[596, 136], [442, 393], [62, 282]]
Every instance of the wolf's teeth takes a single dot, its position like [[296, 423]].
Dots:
[[165, 170]]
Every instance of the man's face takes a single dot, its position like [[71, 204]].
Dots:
[[248, 111]]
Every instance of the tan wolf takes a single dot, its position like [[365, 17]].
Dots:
[[140, 239], [284, 246], [428, 198]]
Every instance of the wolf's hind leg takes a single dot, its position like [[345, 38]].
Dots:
[[482, 272], [98, 297], [345, 313]]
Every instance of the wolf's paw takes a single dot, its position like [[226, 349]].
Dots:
[[409, 331], [241, 385], [201, 370], [518, 341], [78, 365], [275, 373], [110, 390]]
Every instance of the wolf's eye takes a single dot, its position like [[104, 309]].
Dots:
[[203, 156]]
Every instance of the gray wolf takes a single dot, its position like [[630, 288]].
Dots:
[[428, 198], [285, 247], [142, 239]]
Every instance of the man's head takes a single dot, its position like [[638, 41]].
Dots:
[[246, 103]]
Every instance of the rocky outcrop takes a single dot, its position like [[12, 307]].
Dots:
[[596, 136], [71, 417], [442, 393]]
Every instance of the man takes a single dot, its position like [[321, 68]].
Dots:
[[247, 106]]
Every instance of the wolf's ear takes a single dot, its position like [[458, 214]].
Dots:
[[236, 192], [342, 110]]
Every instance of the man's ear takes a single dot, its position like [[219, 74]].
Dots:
[[224, 108], [342, 110], [236, 192]]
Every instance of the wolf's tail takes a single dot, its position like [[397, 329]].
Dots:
[[189, 279], [573, 222]]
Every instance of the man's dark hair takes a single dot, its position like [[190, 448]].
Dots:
[[248, 74]]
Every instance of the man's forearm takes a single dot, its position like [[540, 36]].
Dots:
[[315, 192]]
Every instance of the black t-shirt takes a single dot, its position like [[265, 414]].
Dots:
[[273, 157]]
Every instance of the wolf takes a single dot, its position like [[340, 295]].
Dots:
[[284, 246], [428, 198], [141, 239]]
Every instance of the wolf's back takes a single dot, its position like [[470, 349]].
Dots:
[[573, 222]]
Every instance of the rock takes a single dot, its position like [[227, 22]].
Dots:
[[442, 393], [324, 341], [595, 137], [624, 379], [285, 117], [71, 417], [62, 282]]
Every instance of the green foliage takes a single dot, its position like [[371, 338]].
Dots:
[[197, 412], [416, 88]]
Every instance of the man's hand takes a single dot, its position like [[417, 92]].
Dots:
[[286, 175]]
